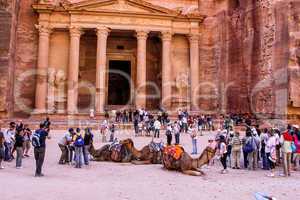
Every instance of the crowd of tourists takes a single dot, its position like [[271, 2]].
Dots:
[[265, 148], [16, 142]]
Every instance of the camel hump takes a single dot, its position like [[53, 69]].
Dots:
[[174, 151]]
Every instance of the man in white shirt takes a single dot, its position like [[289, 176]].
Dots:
[[63, 145], [157, 126], [9, 142]]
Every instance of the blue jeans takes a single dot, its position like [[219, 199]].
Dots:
[[8, 149], [86, 154], [78, 157], [265, 161], [194, 142]]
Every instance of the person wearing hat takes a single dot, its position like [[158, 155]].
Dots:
[[63, 145]]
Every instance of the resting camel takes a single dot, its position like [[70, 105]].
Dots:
[[106, 153], [147, 155], [186, 164]]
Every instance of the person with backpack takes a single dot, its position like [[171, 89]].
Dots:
[[39, 144], [78, 144], [63, 145], [247, 148], [88, 140]]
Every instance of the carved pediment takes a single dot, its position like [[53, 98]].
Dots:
[[132, 6]]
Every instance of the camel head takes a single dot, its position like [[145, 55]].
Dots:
[[128, 143], [206, 156]]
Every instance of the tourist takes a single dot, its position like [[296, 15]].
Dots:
[[39, 143], [78, 144], [200, 124], [63, 145], [236, 151], [103, 130], [223, 153], [88, 140], [286, 140], [270, 149], [27, 140], [19, 142], [176, 130], [229, 145], [253, 156], [193, 134], [169, 134], [2, 153], [112, 129], [264, 138], [136, 125], [247, 147], [47, 124], [157, 126], [184, 121], [9, 141], [297, 150]]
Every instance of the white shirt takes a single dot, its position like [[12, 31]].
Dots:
[[184, 120], [9, 136], [66, 138], [271, 143], [157, 124]]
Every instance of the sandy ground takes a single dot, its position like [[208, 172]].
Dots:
[[104, 180]]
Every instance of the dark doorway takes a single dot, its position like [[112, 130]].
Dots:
[[119, 82]]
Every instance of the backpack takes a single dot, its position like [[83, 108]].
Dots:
[[249, 147], [36, 139], [79, 142]]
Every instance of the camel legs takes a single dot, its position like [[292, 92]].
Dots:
[[141, 162], [192, 173]]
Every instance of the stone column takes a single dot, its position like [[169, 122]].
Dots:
[[42, 69], [140, 97], [194, 70], [73, 70], [166, 38], [101, 71]]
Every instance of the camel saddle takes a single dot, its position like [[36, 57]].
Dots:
[[115, 149], [156, 147], [174, 151]]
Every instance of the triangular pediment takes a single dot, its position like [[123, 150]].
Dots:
[[132, 6]]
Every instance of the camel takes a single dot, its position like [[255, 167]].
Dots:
[[147, 155], [186, 164], [106, 153]]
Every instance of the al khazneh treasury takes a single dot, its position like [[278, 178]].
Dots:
[[208, 56]]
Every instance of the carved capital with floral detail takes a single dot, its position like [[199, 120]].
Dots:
[[75, 31], [44, 30], [194, 38], [166, 35], [142, 34], [102, 31]]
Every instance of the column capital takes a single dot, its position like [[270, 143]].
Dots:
[[75, 31], [102, 30], [193, 37], [44, 30], [142, 34], [166, 35]]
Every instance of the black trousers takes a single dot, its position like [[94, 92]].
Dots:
[[169, 139], [39, 156], [224, 160]]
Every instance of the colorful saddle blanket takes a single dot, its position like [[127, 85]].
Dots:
[[156, 147], [174, 151]]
